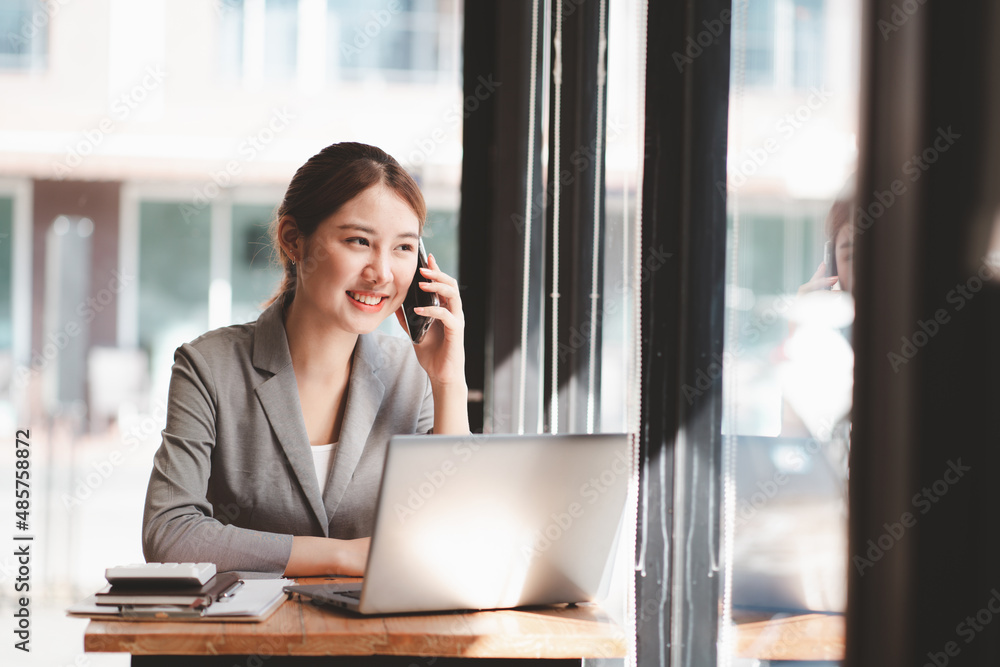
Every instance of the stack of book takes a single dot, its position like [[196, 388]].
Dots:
[[181, 591], [142, 597]]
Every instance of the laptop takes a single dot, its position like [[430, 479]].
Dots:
[[790, 537], [490, 522]]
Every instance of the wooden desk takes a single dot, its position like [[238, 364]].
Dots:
[[803, 637], [302, 629]]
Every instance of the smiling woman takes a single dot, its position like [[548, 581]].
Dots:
[[328, 181], [276, 430], [366, 251]]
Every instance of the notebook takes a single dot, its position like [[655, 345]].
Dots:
[[490, 522]]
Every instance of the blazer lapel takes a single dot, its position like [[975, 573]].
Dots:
[[279, 396], [364, 398]]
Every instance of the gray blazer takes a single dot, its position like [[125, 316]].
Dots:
[[233, 479]]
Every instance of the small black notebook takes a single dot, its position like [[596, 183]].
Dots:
[[197, 596]]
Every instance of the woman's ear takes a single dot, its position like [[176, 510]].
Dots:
[[289, 238]]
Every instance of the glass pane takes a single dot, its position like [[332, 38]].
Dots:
[[255, 274], [441, 237], [808, 60], [788, 366], [623, 158], [406, 40], [174, 251], [230, 42], [281, 30], [24, 26], [759, 40]]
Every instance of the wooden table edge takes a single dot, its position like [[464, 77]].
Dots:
[[227, 638]]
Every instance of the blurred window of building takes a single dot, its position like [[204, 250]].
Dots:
[[785, 43], [281, 27], [781, 249], [24, 26], [255, 271], [759, 52], [778, 250], [441, 237], [174, 271], [230, 39], [399, 40], [808, 36], [281, 41]]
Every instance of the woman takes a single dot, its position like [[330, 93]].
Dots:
[[840, 231], [277, 429]]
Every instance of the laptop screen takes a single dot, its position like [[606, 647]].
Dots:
[[484, 522]]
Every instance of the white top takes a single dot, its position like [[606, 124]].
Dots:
[[323, 462]]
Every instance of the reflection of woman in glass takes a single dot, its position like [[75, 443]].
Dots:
[[818, 361], [276, 429], [840, 233]]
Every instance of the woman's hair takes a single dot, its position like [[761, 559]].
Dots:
[[838, 218], [841, 213], [327, 181]]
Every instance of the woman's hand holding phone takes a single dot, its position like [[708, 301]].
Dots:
[[441, 352], [819, 281]]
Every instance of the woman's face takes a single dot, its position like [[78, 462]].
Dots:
[[844, 249], [359, 262]]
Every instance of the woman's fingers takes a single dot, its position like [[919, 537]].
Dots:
[[819, 281], [443, 285], [448, 318], [439, 277], [449, 292]]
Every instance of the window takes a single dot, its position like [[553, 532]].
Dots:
[[759, 40], [312, 41], [807, 59], [24, 26], [778, 250], [281, 22], [403, 40], [784, 42], [441, 236], [174, 271], [255, 273], [788, 364], [230, 40]]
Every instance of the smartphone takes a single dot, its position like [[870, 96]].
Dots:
[[417, 325], [830, 259]]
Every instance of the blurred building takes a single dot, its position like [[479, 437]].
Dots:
[[144, 146]]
